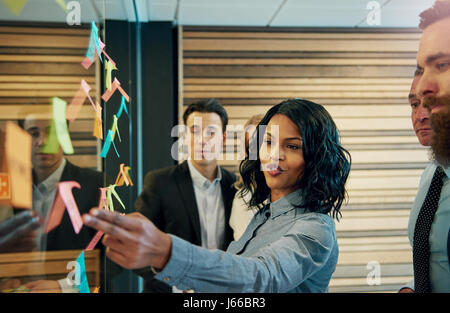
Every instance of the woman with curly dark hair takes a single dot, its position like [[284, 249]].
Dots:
[[297, 182]]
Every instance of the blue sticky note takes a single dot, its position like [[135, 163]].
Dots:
[[84, 286], [107, 144], [94, 44], [123, 106]]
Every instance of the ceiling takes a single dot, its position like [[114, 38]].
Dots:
[[274, 13]]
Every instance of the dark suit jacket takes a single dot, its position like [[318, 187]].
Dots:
[[168, 200], [64, 237]]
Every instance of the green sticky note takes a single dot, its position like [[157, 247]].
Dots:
[[52, 144], [15, 6], [62, 131], [109, 192], [115, 129]]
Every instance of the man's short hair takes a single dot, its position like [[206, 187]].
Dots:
[[439, 11], [207, 106]]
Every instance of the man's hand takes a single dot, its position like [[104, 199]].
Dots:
[[17, 232], [132, 241]]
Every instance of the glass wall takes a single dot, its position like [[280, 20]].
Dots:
[[66, 110]]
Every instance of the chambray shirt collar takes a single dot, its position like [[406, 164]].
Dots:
[[446, 170], [201, 181], [52, 181], [285, 204]]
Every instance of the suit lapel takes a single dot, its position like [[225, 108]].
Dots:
[[186, 188]]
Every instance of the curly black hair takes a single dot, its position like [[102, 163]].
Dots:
[[327, 163]]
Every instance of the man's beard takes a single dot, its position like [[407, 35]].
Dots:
[[440, 125]]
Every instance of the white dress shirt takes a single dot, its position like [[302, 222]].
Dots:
[[210, 208], [43, 197]]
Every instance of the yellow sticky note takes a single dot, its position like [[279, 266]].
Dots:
[[109, 67], [15, 6], [98, 126]]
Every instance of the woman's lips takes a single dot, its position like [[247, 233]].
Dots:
[[274, 171]]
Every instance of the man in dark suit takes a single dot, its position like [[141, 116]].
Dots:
[[192, 200], [48, 170]]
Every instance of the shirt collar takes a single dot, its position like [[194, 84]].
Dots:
[[285, 204], [51, 182], [201, 181], [446, 170]]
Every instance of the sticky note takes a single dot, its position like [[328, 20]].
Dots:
[[15, 166], [52, 143], [62, 131], [103, 203], [75, 105], [123, 106], [115, 129], [96, 290], [84, 286], [94, 240], [123, 176], [107, 144], [94, 44], [112, 192], [85, 86], [65, 190], [87, 62], [109, 67], [115, 86], [98, 126], [62, 4], [56, 214], [15, 6]]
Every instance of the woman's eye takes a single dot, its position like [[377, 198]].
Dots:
[[414, 105], [293, 147]]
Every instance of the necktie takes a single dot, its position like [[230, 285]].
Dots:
[[421, 244]]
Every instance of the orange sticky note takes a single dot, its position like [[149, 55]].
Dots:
[[103, 203], [65, 190], [123, 176], [16, 180], [96, 290], [56, 214]]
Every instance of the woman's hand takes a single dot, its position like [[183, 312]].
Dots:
[[132, 241]]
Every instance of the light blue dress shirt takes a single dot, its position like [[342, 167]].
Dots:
[[284, 249], [439, 265]]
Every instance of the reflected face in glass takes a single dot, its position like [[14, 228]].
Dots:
[[420, 117], [39, 129], [204, 137], [282, 159]]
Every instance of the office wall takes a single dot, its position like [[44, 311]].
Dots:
[[362, 77]]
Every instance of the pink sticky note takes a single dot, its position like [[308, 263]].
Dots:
[[56, 214], [103, 203], [115, 85], [86, 89], [76, 104], [94, 241], [65, 190]]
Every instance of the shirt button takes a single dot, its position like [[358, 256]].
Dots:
[[166, 278]]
